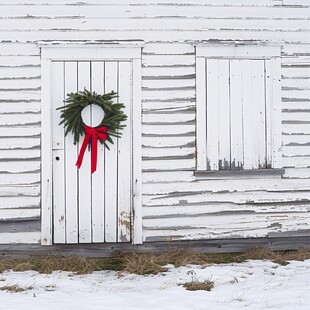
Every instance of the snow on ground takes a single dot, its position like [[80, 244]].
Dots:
[[254, 284]]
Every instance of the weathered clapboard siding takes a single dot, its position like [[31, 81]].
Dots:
[[19, 143], [174, 208], [176, 204], [154, 20], [168, 119], [296, 113]]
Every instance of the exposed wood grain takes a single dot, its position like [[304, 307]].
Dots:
[[224, 209], [245, 226], [238, 197], [22, 226], [181, 183], [172, 237]]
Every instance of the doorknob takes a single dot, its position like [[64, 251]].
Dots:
[[57, 158]]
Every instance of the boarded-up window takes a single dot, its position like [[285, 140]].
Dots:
[[238, 108]]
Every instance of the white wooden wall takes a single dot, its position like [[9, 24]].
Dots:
[[175, 204], [19, 143]]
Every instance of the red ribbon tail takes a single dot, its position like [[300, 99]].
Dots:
[[82, 150], [94, 150]]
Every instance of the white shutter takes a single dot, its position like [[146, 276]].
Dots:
[[235, 98]]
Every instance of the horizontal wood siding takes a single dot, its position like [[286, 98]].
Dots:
[[176, 205], [19, 143]]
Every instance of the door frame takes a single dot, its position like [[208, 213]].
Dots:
[[89, 52]]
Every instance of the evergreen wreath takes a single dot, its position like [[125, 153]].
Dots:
[[71, 114]]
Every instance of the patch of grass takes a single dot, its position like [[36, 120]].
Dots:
[[278, 257], [195, 285], [281, 262], [15, 288], [206, 285], [48, 264], [151, 263], [145, 263], [142, 263]]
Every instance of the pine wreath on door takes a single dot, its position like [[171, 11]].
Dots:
[[89, 208]]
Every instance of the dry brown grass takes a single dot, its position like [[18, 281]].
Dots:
[[15, 288], [48, 264], [147, 263], [153, 263], [141, 263], [206, 285], [280, 257]]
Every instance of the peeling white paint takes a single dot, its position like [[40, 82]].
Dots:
[[175, 204]]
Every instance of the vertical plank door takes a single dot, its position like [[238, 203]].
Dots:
[[91, 208]]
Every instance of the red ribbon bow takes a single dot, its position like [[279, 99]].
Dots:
[[94, 134]]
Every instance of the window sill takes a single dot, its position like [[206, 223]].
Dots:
[[244, 174]]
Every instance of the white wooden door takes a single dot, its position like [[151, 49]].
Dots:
[[87, 207]]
